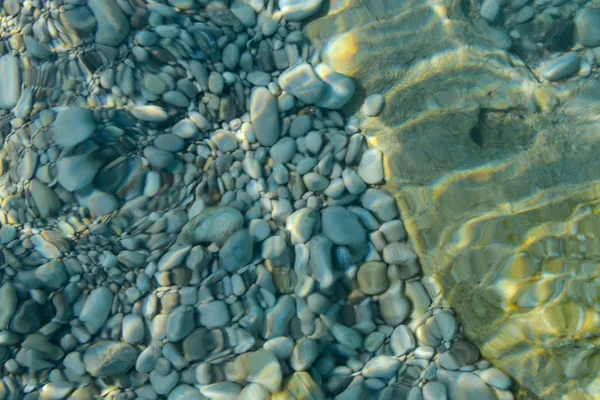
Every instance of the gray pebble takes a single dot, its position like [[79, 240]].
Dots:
[[214, 314], [180, 323], [283, 151], [315, 182], [109, 358], [373, 105], [370, 168], [264, 115], [561, 67], [237, 251]]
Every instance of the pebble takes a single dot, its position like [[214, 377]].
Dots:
[[264, 115], [297, 10], [402, 340], [370, 168], [264, 369], [258, 78], [372, 278], [109, 358], [163, 384], [343, 228], [7, 233], [237, 251], [470, 386], [180, 323], [304, 354], [45, 199], [185, 129], [587, 25], [382, 366], [113, 26], [496, 378], [224, 140], [212, 225], [300, 126], [302, 82], [221, 391], [490, 10], [133, 329], [347, 336], [561, 67], [284, 150], [149, 113], [214, 314], [169, 142], [399, 253], [393, 305], [10, 81], [96, 309], [353, 182], [8, 298], [379, 203], [433, 390], [373, 105], [301, 225], [315, 182], [338, 89]]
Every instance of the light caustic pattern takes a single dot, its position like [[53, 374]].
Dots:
[[497, 176]]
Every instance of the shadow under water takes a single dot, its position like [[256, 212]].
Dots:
[[497, 176]]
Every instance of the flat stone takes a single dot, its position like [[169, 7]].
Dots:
[[343, 228], [133, 329], [224, 140], [52, 274], [72, 126], [587, 24], [158, 158], [77, 172], [315, 182], [370, 168], [338, 88], [496, 378], [373, 105], [185, 129], [382, 366], [284, 150], [264, 369], [379, 203], [149, 113], [402, 340], [212, 224], [10, 81], [7, 234], [113, 25], [35, 48], [300, 125], [154, 84], [301, 225], [96, 309], [297, 10], [9, 301], [394, 306], [180, 323], [80, 21], [98, 202], [214, 314], [45, 199], [264, 114], [109, 358], [237, 251], [372, 278], [302, 82], [561, 67]]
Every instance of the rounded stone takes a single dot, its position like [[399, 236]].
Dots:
[[109, 358], [587, 25], [372, 278]]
